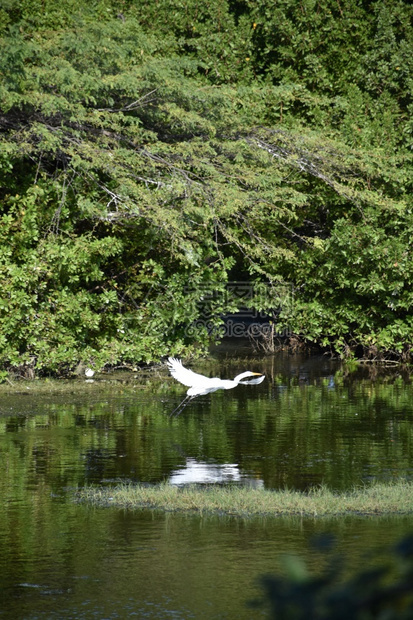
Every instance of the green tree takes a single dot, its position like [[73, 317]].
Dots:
[[149, 157]]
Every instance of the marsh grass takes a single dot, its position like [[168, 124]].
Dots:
[[121, 381], [376, 499]]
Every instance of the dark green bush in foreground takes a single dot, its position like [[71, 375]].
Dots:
[[383, 593]]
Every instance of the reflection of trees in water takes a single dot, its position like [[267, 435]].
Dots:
[[305, 425]]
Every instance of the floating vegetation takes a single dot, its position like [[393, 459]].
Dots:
[[375, 499]]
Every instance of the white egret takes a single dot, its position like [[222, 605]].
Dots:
[[199, 384]]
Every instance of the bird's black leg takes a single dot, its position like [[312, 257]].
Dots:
[[181, 406]]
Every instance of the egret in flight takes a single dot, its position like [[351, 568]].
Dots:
[[199, 385]]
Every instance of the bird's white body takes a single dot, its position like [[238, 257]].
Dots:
[[199, 384]]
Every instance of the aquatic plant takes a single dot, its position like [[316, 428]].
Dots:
[[395, 498]]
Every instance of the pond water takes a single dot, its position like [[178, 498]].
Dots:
[[308, 423]]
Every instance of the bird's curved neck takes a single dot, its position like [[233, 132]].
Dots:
[[239, 378]]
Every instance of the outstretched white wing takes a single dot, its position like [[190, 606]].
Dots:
[[184, 375]]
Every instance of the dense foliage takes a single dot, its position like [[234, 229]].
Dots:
[[371, 594], [150, 156]]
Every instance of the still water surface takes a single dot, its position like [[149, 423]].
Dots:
[[308, 423]]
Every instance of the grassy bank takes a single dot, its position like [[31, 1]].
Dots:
[[113, 381], [394, 498]]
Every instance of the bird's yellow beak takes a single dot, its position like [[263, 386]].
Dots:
[[257, 373]]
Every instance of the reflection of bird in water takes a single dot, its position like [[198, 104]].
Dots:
[[199, 384]]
